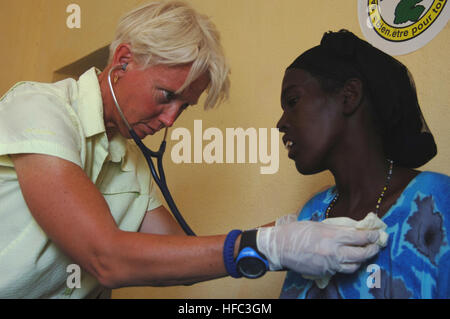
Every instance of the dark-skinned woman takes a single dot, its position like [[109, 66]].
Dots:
[[353, 110]]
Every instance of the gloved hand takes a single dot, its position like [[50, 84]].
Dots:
[[316, 249], [286, 219]]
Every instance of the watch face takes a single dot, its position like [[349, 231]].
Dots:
[[251, 267]]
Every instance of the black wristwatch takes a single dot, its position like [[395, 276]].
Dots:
[[250, 262]]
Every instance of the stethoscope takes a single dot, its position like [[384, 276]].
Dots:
[[148, 154]]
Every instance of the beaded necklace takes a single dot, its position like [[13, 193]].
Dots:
[[380, 198]]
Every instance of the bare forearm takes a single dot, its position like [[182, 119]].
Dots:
[[74, 214], [181, 260], [161, 260]]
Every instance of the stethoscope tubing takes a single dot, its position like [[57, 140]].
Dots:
[[160, 179], [158, 176]]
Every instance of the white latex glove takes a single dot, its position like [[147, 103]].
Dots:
[[316, 249], [371, 221], [286, 219]]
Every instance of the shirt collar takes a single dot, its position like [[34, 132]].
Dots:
[[90, 103], [117, 148], [90, 111]]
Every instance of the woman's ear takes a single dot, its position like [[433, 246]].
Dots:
[[352, 95], [123, 55]]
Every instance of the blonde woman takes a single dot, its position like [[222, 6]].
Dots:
[[73, 191]]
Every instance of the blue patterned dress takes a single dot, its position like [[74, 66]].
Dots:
[[416, 261]]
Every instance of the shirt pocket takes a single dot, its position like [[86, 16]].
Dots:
[[113, 180]]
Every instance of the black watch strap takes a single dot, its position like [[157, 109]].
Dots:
[[248, 239]]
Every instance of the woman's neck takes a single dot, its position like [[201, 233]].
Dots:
[[360, 182], [360, 168]]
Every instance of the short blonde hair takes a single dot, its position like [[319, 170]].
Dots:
[[173, 33]]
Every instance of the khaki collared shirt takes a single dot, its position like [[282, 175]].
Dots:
[[63, 119]]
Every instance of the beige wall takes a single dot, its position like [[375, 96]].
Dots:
[[261, 37]]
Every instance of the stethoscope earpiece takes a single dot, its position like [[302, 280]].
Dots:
[[124, 66]]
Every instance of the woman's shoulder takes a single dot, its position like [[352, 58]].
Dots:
[[429, 191], [62, 90], [433, 176], [431, 181]]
